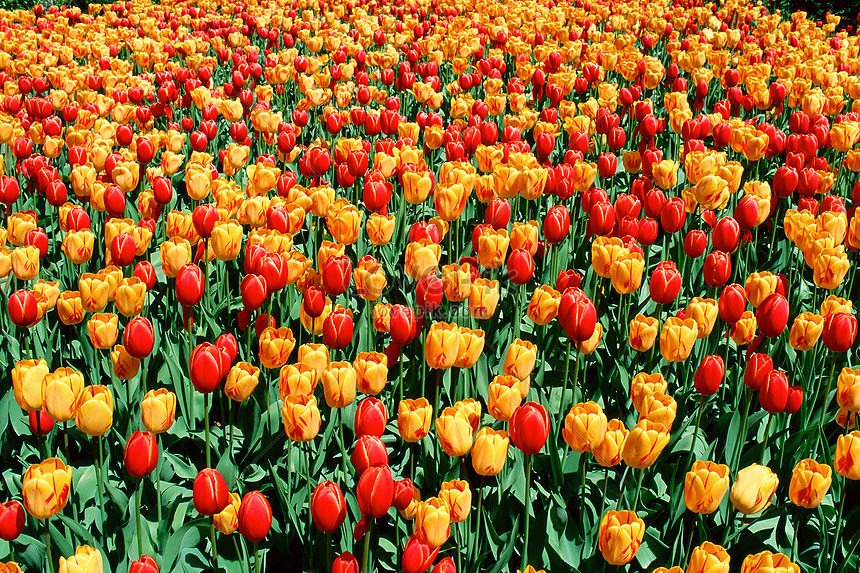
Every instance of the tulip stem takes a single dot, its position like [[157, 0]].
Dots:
[[308, 482], [477, 544], [100, 481], [525, 555], [366, 555], [206, 427], [51, 567], [696, 430], [212, 540], [139, 535], [328, 550], [766, 437], [826, 400], [340, 443], [838, 525], [621, 489]]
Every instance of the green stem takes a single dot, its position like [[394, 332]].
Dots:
[[206, 424], [328, 550], [827, 395], [365, 568], [340, 443], [696, 430], [766, 437], [100, 481], [838, 525], [214, 546], [621, 490], [476, 547], [51, 566], [525, 555], [256, 558], [138, 529]]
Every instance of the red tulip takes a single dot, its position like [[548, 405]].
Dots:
[[794, 400], [773, 395], [336, 274], [601, 218], [227, 344], [521, 266], [255, 516], [665, 283], [673, 215], [328, 506], [695, 243], [145, 564], [206, 367], [772, 316], [733, 301], [757, 370], [189, 285], [37, 238], [375, 491], [313, 301], [446, 565], [141, 454], [566, 279], [122, 250], [417, 556], [840, 330], [345, 563], [40, 423], [577, 315], [254, 291], [717, 269], [709, 375], [369, 452], [146, 272], [210, 493], [23, 309], [337, 329], [428, 293], [138, 337], [726, 235], [402, 324], [529, 427], [12, 518], [498, 213], [556, 224], [404, 493], [746, 213], [371, 416]]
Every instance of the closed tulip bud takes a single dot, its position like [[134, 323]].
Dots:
[[848, 389], [227, 520], [369, 452], [529, 427], [328, 506], [413, 419], [644, 444], [255, 516], [346, 562], [665, 283], [810, 482], [85, 560], [371, 371], [709, 558], [45, 488], [190, 285], [704, 311], [94, 414], [717, 269], [70, 308], [418, 555], [12, 518], [608, 451], [470, 349], [404, 494], [544, 305], [141, 454], [483, 298], [242, 379], [772, 315], [705, 485], [840, 331], [626, 272], [454, 431], [138, 337], [301, 418], [584, 427], [375, 491], [677, 338], [709, 375], [338, 329], [805, 331], [732, 302], [773, 394], [642, 332], [442, 345], [577, 315], [60, 392], [209, 492], [207, 367], [371, 417], [765, 562], [94, 290], [158, 410], [490, 451], [432, 521], [846, 459], [753, 489], [556, 224], [103, 329], [621, 534], [520, 359], [504, 397], [492, 248]]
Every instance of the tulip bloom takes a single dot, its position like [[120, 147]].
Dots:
[[644, 444], [544, 304], [753, 489], [454, 431], [805, 331], [227, 520], [442, 345], [846, 459], [255, 516], [339, 384], [608, 451], [665, 283], [242, 379], [504, 397], [141, 454], [12, 519], [375, 491], [490, 451], [772, 315], [810, 482], [766, 561], [529, 427], [705, 485], [413, 419], [94, 415], [328, 506], [158, 410], [709, 557], [371, 370], [577, 315], [418, 555], [626, 272], [275, 346], [432, 521], [840, 331], [621, 534], [677, 338], [642, 333], [45, 488], [584, 427], [301, 418], [86, 559], [848, 389]]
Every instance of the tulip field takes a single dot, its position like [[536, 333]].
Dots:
[[478, 286]]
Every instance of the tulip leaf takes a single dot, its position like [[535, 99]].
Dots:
[[505, 557]]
